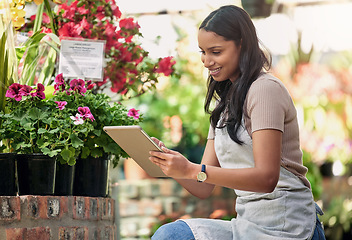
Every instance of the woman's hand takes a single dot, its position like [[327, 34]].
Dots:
[[158, 142], [172, 163]]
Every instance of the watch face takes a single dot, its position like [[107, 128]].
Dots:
[[202, 176]]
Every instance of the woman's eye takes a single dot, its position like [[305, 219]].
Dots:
[[216, 53]]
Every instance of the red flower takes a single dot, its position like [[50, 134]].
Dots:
[[83, 10], [70, 29], [100, 13], [69, 10], [128, 23], [86, 27], [46, 18], [90, 85], [165, 66], [115, 9]]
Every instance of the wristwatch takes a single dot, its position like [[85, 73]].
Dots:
[[202, 176]]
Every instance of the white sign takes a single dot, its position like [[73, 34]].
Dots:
[[82, 59]]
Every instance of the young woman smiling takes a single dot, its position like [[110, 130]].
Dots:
[[253, 143]]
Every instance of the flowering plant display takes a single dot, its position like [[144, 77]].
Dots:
[[129, 71], [67, 125]]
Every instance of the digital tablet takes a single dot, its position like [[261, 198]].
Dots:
[[137, 145]]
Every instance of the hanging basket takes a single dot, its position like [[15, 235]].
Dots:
[[36, 174], [91, 177], [8, 174]]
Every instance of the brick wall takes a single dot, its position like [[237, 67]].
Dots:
[[57, 217], [146, 203]]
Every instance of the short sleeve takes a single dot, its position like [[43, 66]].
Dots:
[[211, 133], [267, 103]]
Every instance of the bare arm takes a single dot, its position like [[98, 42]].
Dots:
[[198, 189], [263, 177]]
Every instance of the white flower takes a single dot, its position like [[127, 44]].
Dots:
[[77, 119]]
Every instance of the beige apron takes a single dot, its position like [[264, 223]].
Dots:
[[286, 213]]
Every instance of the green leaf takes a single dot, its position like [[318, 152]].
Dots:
[[85, 152], [66, 154], [50, 153], [20, 52], [76, 141], [38, 18], [42, 130]]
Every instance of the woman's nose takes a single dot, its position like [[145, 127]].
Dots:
[[207, 61]]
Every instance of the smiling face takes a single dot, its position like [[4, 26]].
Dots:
[[220, 56]]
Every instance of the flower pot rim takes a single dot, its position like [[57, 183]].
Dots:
[[36, 156]]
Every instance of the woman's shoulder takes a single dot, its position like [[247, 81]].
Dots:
[[267, 79], [268, 84]]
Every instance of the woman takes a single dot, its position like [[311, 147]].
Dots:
[[253, 143]]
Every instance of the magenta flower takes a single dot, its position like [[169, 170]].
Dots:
[[85, 113], [25, 90], [133, 113], [14, 92], [77, 119], [78, 85], [61, 105], [39, 91], [59, 83]]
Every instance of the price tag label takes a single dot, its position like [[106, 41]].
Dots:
[[82, 59]]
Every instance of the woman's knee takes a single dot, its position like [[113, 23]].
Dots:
[[162, 232], [176, 230]]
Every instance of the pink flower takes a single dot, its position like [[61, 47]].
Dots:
[[85, 113], [165, 66], [39, 91], [25, 90], [133, 113], [59, 83], [77, 119], [78, 85], [14, 92], [61, 105]]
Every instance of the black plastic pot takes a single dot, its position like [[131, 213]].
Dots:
[[8, 174], [91, 177], [36, 174], [64, 179]]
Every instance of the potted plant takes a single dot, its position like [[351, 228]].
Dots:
[[29, 129], [129, 72], [64, 127], [96, 148]]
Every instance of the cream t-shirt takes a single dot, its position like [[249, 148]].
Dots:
[[268, 105]]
